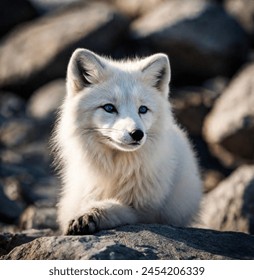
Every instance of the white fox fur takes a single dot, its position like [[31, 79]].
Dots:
[[110, 177]]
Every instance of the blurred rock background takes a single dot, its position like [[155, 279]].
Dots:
[[210, 45]]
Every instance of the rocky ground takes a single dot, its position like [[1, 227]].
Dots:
[[210, 46]]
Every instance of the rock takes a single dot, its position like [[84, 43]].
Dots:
[[217, 84], [229, 128], [18, 131], [26, 174], [30, 185], [8, 228], [140, 242], [190, 33], [135, 8], [44, 103], [37, 53], [230, 206], [18, 128], [28, 164], [9, 210], [243, 11], [39, 218], [46, 6], [13, 13], [191, 105], [211, 179], [36, 154], [8, 241], [42, 192], [11, 106], [12, 188]]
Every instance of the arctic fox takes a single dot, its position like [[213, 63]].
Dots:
[[122, 157]]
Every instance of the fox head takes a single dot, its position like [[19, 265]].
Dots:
[[118, 103]]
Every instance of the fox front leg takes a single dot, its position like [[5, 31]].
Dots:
[[102, 215]]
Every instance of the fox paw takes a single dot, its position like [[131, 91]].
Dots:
[[82, 225]]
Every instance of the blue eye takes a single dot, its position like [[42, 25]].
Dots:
[[109, 108], [142, 110]]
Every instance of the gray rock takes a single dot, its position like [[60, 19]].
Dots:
[[13, 13], [135, 8], [18, 131], [191, 33], [44, 103], [44, 192], [10, 228], [229, 128], [243, 11], [230, 206], [8, 241], [27, 164], [30, 186], [140, 242], [46, 6], [11, 106], [26, 175], [217, 84], [211, 179], [9, 209], [191, 105], [36, 153], [45, 45], [39, 218]]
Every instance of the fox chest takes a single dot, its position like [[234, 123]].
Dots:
[[137, 190]]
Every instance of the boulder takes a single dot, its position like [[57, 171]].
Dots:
[[229, 128], [8, 241], [130, 8], [15, 12], [9, 209], [11, 106], [46, 6], [191, 33], [39, 52], [191, 105], [216, 84], [135, 8], [30, 182], [147, 242], [211, 179], [243, 11], [230, 206], [18, 131], [39, 218], [44, 103]]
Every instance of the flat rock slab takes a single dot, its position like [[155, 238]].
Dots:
[[140, 242]]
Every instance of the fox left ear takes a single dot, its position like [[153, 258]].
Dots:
[[85, 69], [156, 72]]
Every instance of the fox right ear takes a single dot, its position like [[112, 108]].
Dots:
[[156, 72], [84, 70]]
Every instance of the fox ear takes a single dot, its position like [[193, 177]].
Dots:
[[84, 70], [156, 72]]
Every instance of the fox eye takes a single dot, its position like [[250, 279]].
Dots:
[[142, 110], [109, 108]]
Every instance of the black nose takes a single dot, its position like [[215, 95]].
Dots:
[[137, 134]]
